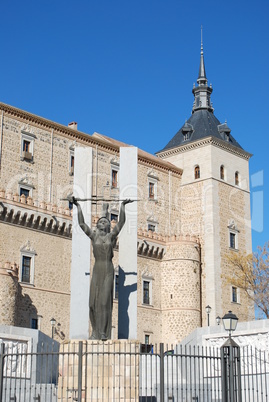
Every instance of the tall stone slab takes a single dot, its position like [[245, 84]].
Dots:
[[81, 247], [127, 307]]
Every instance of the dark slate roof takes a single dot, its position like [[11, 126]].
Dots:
[[201, 124]]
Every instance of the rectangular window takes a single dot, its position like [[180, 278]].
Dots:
[[34, 323], [145, 292], [151, 190], [114, 217], [26, 269], [114, 178], [197, 172], [146, 347], [236, 178], [151, 227], [234, 294], [116, 293], [24, 191], [232, 240], [186, 136], [71, 163], [26, 146]]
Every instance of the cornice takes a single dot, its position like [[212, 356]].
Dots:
[[15, 214], [87, 139], [201, 143], [162, 166], [71, 133], [150, 249]]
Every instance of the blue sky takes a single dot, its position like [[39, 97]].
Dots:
[[126, 68]]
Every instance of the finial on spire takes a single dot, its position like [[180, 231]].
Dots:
[[202, 39], [202, 74]]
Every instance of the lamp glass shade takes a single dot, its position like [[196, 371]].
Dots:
[[208, 309], [229, 321], [218, 319], [53, 322]]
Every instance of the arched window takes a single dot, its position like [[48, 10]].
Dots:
[[222, 172], [236, 178], [197, 172]]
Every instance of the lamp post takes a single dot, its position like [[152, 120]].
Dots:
[[53, 323], [218, 319], [230, 322], [208, 309], [230, 363]]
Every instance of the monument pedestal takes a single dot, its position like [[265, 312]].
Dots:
[[99, 371]]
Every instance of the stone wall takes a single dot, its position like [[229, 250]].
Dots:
[[233, 211], [49, 295], [180, 286], [181, 310]]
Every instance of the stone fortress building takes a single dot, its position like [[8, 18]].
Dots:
[[195, 209]]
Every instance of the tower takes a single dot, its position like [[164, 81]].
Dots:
[[214, 198]]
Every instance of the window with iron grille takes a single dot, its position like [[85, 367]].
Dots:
[[26, 269], [114, 178], [146, 292], [34, 323], [151, 190], [234, 294], [232, 240], [27, 146]]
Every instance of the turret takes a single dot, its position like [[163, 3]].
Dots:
[[8, 293]]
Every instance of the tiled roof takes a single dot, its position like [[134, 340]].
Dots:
[[201, 124]]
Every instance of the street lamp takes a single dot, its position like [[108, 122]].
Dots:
[[218, 319], [53, 323], [230, 322], [230, 363], [208, 309]]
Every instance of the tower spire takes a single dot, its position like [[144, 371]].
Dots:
[[202, 92], [202, 74]]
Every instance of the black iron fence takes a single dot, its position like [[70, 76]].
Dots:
[[123, 371]]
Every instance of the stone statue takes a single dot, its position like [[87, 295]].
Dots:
[[101, 287]]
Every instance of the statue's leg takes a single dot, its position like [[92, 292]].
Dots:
[[93, 307], [106, 303]]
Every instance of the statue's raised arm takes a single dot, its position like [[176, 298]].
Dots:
[[86, 229], [122, 217]]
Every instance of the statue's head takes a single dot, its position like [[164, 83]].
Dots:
[[103, 224]]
